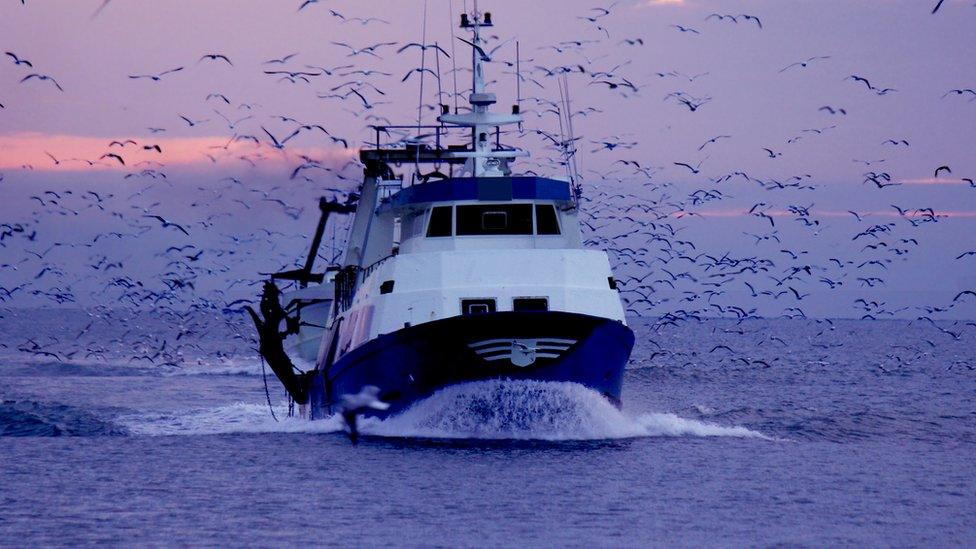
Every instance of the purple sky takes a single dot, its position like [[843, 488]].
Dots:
[[894, 44]]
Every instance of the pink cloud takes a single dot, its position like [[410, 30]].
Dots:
[[827, 213], [76, 152], [933, 181]]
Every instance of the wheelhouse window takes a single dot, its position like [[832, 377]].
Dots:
[[440, 221], [494, 219], [530, 304], [546, 221], [477, 306]]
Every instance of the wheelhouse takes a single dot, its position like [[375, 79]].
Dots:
[[461, 213]]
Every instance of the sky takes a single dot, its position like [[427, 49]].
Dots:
[[232, 194]]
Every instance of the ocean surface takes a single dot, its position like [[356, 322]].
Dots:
[[156, 430]]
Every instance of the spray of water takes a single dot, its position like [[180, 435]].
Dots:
[[493, 410]]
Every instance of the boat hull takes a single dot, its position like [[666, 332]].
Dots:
[[414, 362]]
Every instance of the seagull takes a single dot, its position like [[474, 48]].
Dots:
[[193, 123], [42, 77], [861, 79], [803, 64], [100, 8], [748, 17], [721, 17], [113, 155], [232, 124], [960, 92], [425, 47], [18, 60], [942, 168], [365, 21], [411, 71], [215, 57], [832, 110], [166, 223], [368, 50], [220, 96], [713, 140], [694, 169], [280, 144], [284, 59], [306, 3], [155, 77], [354, 405], [685, 29], [962, 293]]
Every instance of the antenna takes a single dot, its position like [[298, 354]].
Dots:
[[518, 81], [440, 91], [450, 4], [423, 66], [569, 140]]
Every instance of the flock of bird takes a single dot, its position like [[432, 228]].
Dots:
[[203, 261]]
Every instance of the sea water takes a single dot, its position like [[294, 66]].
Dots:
[[805, 432]]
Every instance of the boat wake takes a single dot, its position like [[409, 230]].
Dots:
[[487, 410], [234, 418], [29, 418]]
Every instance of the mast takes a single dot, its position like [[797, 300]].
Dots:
[[483, 159]]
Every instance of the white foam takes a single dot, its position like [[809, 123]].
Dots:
[[533, 410], [489, 410], [674, 426], [235, 418]]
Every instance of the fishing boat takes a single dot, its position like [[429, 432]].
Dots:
[[448, 278]]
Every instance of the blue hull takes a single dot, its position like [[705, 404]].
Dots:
[[413, 363]]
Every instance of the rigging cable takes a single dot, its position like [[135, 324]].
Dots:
[[440, 93], [518, 81], [267, 394]]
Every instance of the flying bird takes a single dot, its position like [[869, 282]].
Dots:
[[113, 156], [804, 64], [354, 405], [193, 123], [18, 60], [166, 224], [411, 71], [284, 59], [368, 50], [155, 77], [216, 57], [685, 29], [280, 144], [425, 47], [832, 110], [753, 18], [694, 169], [42, 77], [713, 140]]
